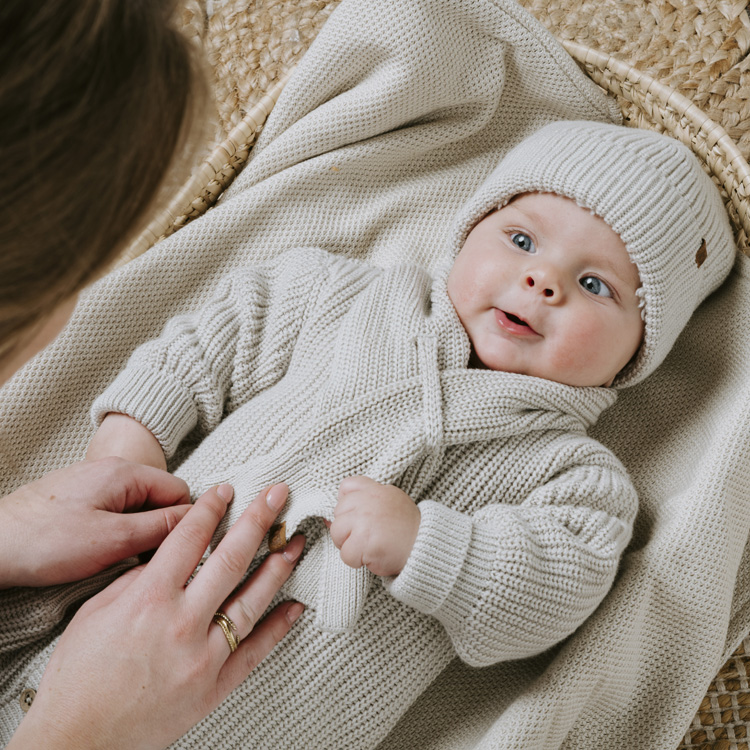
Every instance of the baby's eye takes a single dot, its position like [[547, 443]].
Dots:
[[595, 286], [523, 241]]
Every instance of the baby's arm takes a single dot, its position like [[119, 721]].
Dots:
[[122, 436], [210, 362], [511, 580]]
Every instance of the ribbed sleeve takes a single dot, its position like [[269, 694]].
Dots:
[[442, 545], [206, 364], [512, 580], [155, 399]]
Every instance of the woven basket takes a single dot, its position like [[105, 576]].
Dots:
[[699, 47]]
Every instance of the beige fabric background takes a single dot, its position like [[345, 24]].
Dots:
[[634, 674]]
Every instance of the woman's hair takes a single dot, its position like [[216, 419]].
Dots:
[[96, 99]]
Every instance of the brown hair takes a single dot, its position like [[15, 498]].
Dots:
[[96, 98]]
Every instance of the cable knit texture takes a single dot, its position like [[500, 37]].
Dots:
[[394, 118]]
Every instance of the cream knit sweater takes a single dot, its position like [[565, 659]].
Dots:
[[393, 119], [315, 367], [328, 368]]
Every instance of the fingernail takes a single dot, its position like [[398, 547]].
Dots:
[[293, 613], [225, 492], [275, 498], [294, 549]]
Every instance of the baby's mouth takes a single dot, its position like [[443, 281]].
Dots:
[[516, 319], [513, 323]]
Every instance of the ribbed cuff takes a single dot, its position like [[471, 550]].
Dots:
[[154, 399], [438, 556]]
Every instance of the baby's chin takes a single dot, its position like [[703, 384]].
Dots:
[[477, 363]]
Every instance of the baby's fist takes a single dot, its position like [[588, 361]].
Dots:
[[374, 525]]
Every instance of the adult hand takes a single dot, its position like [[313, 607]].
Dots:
[[143, 661], [77, 521]]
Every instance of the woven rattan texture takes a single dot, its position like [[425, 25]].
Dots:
[[723, 719], [193, 20], [699, 48], [251, 44]]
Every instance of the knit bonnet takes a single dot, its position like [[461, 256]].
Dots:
[[653, 193]]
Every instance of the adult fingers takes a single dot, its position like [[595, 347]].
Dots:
[[232, 557], [248, 604], [141, 532], [251, 652], [153, 488], [179, 554]]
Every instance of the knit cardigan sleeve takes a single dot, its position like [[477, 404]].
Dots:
[[519, 575], [209, 363]]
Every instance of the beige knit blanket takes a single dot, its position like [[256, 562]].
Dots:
[[393, 118]]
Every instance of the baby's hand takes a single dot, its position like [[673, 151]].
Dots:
[[374, 525]]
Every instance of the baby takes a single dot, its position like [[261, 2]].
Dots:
[[437, 426]]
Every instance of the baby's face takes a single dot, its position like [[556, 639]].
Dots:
[[543, 287]]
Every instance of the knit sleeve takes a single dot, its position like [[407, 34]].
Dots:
[[512, 579], [210, 362]]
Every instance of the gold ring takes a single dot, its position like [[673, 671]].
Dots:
[[229, 629]]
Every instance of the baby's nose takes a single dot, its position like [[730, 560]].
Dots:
[[546, 283]]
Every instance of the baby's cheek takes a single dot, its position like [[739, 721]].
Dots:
[[583, 352], [568, 359]]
